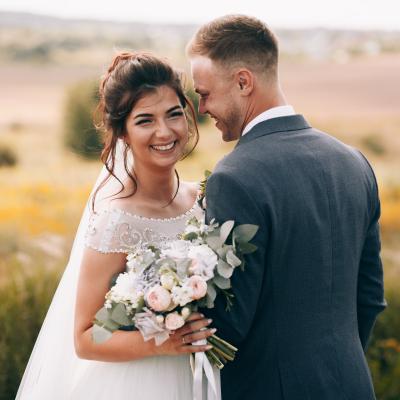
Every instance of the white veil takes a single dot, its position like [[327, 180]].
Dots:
[[53, 365]]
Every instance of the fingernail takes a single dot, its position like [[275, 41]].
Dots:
[[213, 330], [209, 347], [202, 315], [209, 321]]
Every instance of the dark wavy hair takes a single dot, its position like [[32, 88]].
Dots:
[[130, 77]]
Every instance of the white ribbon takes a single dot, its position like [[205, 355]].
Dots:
[[210, 389]]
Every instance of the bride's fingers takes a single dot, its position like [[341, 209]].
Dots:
[[195, 316], [193, 337], [193, 326], [195, 349]]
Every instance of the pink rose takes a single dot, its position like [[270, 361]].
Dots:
[[158, 298], [174, 321], [198, 285]]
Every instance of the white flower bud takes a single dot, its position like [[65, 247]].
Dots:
[[185, 312], [167, 281]]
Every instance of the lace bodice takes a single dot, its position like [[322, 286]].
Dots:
[[118, 231]]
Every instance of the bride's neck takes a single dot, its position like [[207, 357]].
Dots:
[[158, 186]]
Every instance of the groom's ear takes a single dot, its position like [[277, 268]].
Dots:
[[244, 81]]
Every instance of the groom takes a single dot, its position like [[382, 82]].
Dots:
[[306, 303]]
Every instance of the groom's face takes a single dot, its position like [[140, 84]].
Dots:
[[218, 97]]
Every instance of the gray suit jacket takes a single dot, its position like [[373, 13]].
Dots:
[[307, 301]]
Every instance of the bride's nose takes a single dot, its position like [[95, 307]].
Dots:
[[163, 130]]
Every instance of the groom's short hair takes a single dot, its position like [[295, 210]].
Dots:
[[237, 40]]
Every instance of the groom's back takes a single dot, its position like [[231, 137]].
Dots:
[[318, 199]]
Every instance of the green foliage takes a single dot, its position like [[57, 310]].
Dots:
[[194, 97], [24, 299], [80, 134], [8, 158], [374, 144], [384, 350]]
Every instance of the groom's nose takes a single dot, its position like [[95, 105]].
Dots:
[[202, 106]]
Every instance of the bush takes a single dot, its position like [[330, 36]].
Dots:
[[384, 350], [80, 134], [374, 144], [24, 300], [8, 158]]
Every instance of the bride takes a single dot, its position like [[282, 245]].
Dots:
[[146, 118]]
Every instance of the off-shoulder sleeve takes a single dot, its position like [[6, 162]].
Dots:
[[110, 231]]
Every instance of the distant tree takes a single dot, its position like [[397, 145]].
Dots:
[[79, 132], [8, 158]]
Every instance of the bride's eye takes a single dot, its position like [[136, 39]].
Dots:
[[176, 114], [143, 121]]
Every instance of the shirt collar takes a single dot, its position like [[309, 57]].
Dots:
[[274, 112]]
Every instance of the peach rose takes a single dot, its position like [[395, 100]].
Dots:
[[158, 298], [174, 321], [198, 285]]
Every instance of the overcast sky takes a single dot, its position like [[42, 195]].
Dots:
[[358, 14]]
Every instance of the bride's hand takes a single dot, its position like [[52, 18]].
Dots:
[[181, 340]]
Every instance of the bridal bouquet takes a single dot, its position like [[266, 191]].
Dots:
[[163, 285]]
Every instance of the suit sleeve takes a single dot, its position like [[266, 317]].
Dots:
[[370, 300], [226, 200]]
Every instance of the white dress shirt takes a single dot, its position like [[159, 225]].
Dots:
[[274, 112]]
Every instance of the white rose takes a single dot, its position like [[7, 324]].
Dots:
[[125, 289], [204, 261], [182, 295], [176, 249]]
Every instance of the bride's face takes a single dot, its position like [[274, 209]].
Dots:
[[157, 129]]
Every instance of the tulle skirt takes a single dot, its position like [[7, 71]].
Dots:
[[153, 378]]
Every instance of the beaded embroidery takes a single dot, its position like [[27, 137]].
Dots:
[[118, 231]]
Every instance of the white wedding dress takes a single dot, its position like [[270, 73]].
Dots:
[[166, 377], [54, 372]]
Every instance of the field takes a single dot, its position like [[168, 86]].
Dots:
[[41, 199], [357, 101]]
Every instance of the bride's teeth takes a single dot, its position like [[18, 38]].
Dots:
[[164, 148]]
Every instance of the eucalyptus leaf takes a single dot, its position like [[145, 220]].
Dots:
[[224, 269], [222, 282], [214, 242], [209, 302], [245, 232], [247, 248], [111, 325], [119, 316], [232, 259], [222, 252], [211, 292], [225, 230], [100, 334], [102, 315]]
